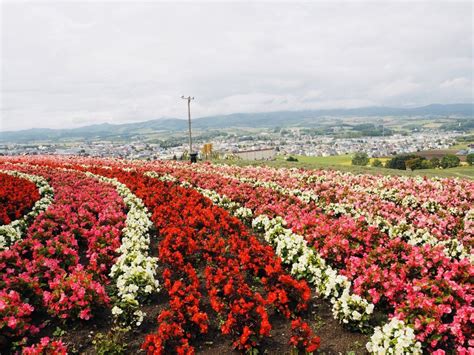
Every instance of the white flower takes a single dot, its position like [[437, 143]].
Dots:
[[394, 338]]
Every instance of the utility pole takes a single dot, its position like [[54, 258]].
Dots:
[[192, 155]]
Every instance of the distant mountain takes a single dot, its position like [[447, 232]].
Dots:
[[260, 120]]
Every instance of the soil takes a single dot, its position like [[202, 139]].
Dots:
[[335, 339]]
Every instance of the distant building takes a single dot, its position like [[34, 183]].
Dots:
[[257, 154]]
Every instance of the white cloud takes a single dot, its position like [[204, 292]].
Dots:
[[67, 64]]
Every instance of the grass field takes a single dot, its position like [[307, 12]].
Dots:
[[343, 163]]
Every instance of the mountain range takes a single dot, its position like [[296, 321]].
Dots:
[[255, 120]]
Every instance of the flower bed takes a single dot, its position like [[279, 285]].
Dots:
[[324, 228]]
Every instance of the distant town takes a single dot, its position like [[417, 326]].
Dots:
[[258, 146]]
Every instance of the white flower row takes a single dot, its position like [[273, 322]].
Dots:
[[12, 232], [394, 338], [134, 271], [303, 260]]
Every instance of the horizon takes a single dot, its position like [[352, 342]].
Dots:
[[66, 65], [229, 114]]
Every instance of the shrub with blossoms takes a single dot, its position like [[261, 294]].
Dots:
[[74, 295], [192, 229], [15, 315], [46, 346]]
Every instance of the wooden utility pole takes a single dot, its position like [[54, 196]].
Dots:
[[189, 98]]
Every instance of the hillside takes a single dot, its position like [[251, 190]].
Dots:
[[307, 118]]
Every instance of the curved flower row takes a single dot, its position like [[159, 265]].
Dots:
[[134, 270], [59, 269], [304, 262], [13, 231]]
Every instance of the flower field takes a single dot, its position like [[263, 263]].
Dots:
[[182, 258]]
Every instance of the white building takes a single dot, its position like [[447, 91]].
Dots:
[[257, 154]]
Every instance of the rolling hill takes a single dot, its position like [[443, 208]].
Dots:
[[256, 120]]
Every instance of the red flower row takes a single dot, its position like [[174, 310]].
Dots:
[[17, 197]]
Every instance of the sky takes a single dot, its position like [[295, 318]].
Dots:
[[68, 64]]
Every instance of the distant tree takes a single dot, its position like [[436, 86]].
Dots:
[[449, 161], [377, 163], [426, 164], [470, 159], [434, 162], [414, 164], [290, 158], [360, 158], [398, 161]]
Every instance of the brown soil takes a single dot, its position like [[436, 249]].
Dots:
[[439, 153]]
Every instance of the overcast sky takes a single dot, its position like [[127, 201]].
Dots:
[[78, 63]]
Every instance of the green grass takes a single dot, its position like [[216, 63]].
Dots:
[[461, 145], [343, 163]]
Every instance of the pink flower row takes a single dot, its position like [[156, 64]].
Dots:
[[61, 266]]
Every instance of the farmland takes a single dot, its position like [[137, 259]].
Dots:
[[168, 257], [343, 163]]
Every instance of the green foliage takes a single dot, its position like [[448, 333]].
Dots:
[[58, 332], [434, 162], [377, 163], [470, 159], [360, 159], [449, 161], [111, 343], [372, 130], [290, 158], [464, 125], [414, 163], [399, 161], [426, 164]]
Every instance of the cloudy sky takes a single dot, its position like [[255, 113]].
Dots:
[[77, 63]]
